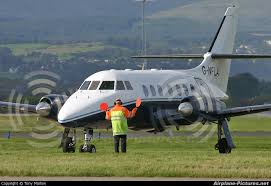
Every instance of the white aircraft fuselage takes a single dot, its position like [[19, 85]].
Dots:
[[160, 90]]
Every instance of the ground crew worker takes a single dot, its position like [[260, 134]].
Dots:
[[118, 116]]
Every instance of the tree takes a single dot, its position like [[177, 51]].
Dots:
[[243, 89]]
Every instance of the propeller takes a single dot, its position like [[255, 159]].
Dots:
[[185, 108], [43, 109]]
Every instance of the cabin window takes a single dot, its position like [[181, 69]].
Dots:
[[170, 90], [128, 85], [153, 91], [160, 90], [145, 90], [120, 85], [179, 90], [192, 87], [107, 85], [94, 85], [185, 90], [85, 85]]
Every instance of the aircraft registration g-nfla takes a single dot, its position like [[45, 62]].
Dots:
[[169, 97]]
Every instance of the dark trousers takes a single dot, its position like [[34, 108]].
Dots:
[[117, 139]]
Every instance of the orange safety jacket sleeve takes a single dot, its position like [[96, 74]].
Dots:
[[133, 112], [126, 112], [108, 115], [129, 114]]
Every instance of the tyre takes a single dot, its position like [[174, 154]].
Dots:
[[223, 146], [92, 148], [81, 148], [72, 149], [68, 145]]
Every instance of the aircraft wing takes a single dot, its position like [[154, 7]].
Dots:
[[239, 111], [18, 106]]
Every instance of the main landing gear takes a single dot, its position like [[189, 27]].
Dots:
[[224, 145], [68, 143]]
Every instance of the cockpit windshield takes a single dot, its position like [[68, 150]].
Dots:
[[94, 85], [85, 85], [107, 85]]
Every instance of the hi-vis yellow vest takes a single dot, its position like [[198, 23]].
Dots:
[[119, 123]]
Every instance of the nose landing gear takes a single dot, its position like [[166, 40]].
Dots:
[[87, 146], [68, 143]]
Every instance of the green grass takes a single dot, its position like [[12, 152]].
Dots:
[[240, 124], [25, 48], [251, 123], [27, 124], [149, 156], [63, 51], [199, 10]]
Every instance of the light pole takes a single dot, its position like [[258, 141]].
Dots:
[[144, 35]]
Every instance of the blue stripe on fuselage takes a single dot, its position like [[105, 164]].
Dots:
[[79, 117], [98, 116]]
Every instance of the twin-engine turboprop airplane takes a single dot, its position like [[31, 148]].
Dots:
[[169, 97]]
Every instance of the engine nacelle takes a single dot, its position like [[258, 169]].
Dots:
[[195, 109], [50, 105], [189, 108]]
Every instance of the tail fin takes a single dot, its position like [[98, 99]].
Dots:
[[217, 71]]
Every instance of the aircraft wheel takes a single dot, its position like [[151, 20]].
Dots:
[[81, 148], [68, 145], [223, 147], [90, 148]]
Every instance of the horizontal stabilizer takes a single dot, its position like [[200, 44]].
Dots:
[[201, 56], [181, 56], [240, 56]]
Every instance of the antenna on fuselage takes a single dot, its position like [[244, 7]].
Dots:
[[144, 35], [143, 66]]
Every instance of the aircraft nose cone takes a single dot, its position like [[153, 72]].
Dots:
[[64, 114], [186, 109], [70, 111]]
